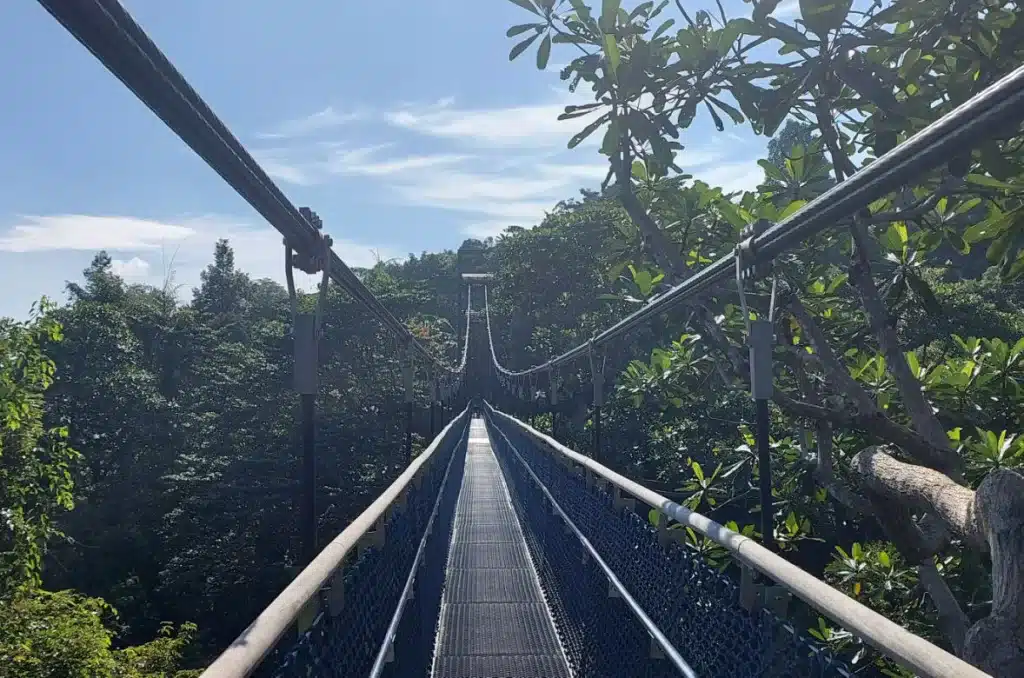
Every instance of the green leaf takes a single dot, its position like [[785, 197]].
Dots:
[[837, 282], [822, 16], [772, 172], [521, 47], [910, 58], [895, 237], [543, 52], [611, 53], [736, 116], [588, 130], [786, 33], [639, 170], [912, 361], [791, 209], [719, 125], [662, 28], [610, 143], [521, 28], [991, 182], [726, 37], [609, 13], [562, 39], [527, 5], [856, 551], [997, 250], [923, 292]]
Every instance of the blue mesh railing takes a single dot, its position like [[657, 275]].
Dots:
[[703, 614], [334, 619], [696, 608]]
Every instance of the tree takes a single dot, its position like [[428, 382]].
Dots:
[[865, 81], [791, 135]]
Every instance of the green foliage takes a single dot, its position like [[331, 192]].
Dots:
[[35, 460], [943, 255], [66, 635]]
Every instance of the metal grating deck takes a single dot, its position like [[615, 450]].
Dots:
[[494, 622]]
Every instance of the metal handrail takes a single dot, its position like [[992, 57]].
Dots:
[[410, 580], [889, 638], [671, 653], [246, 653]]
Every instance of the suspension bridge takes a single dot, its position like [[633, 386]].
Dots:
[[499, 552]]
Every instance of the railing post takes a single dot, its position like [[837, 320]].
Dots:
[[408, 384]]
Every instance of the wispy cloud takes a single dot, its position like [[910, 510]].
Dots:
[[491, 167], [87, 232], [532, 126], [325, 119], [320, 163], [148, 247]]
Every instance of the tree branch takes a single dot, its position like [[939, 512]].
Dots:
[[877, 427], [835, 369], [918, 407]]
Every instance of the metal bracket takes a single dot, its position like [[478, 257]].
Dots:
[[747, 266], [760, 333], [306, 328], [760, 340]]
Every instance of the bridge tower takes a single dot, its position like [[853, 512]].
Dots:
[[471, 267]]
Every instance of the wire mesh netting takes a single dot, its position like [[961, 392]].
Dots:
[[346, 642], [697, 608]]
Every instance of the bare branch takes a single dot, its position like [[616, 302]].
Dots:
[[918, 407], [836, 370]]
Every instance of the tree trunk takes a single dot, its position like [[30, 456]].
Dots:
[[996, 644], [992, 517]]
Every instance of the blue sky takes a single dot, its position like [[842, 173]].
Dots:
[[402, 124]]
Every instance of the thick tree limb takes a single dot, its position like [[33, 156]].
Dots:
[[921, 488], [897, 522]]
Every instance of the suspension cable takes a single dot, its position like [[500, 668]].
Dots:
[[994, 108], [106, 29]]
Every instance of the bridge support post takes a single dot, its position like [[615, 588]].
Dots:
[[553, 397], [760, 337], [306, 386], [306, 331]]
